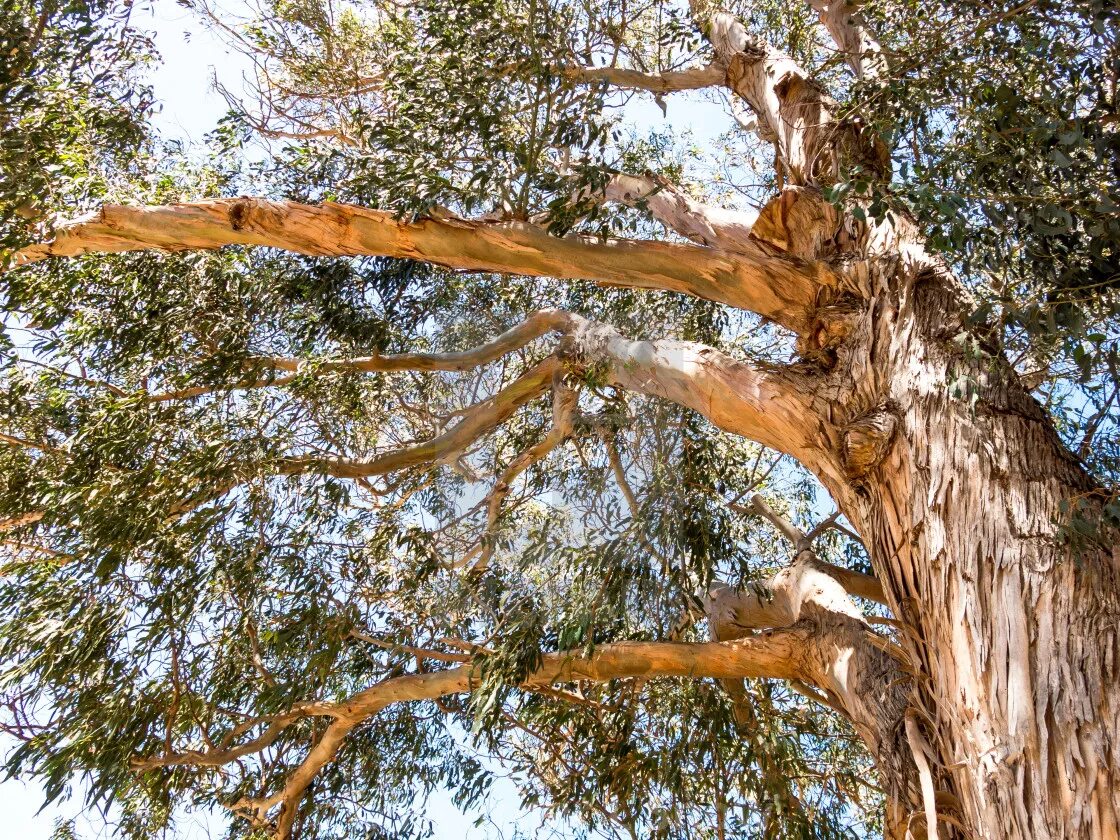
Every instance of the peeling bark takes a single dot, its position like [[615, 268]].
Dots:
[[852, 36], [794, 112], [729, 230], [1013, 629], [768, 406], [856, 672]]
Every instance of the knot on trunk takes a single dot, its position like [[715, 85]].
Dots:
[[239, 213], [802, 224], [866, 441]]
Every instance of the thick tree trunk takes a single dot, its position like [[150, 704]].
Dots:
[[959, 485]]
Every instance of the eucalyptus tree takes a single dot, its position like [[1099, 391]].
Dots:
[[462, 425]]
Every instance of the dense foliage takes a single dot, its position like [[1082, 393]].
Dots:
[[72, 106], [176, 588]]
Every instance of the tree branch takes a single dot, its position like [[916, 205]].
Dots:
[[536, 325], [794, 112], [851, 664], [671, 81], [776, 654], [475, 422], [704, 224], [766, 281], [772, 406], [852, 37], [855, 583], [563, 421], [790, 531]]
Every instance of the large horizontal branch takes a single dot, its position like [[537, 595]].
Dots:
[[778, 654], [771, 405], [670, 81], [763, 656], [779, 287]]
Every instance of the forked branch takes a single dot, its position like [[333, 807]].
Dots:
[[855, 583], [773, 406], [564, 401], [814, 145], [778, 654]]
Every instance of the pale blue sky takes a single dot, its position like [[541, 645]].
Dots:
[[190, 108]]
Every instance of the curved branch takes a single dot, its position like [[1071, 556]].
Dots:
[[536, 325], [563, 422], [777, 654], [790, 531], [779, 287], [474, 423], [855, 583], [772, 406]]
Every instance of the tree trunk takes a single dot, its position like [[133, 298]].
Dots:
[[959, 484]]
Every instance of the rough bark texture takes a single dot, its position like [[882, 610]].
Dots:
[[1012, 631]]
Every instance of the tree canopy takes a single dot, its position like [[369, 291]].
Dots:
[[241, 489]]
